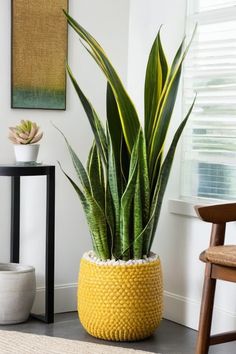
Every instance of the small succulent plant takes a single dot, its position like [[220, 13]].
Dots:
[[26, 132]]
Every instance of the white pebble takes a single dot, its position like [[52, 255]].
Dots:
[[90, 255]]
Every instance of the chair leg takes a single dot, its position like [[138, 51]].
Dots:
[[204, 329]]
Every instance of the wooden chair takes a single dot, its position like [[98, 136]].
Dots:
[[220, 262]]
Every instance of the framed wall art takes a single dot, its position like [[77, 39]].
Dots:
[[39, 52]]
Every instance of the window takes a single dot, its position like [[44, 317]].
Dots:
[[209, 145]]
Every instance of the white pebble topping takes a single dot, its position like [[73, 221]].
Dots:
[[90, 256]]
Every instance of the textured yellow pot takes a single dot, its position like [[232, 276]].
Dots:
[[120, 302]]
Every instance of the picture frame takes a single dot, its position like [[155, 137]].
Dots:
[[39, 47]]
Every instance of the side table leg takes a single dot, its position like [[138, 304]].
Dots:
[[50, 244], [15, 220]]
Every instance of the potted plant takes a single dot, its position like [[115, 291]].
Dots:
[[17, 292], [24, 136], [120, 292]]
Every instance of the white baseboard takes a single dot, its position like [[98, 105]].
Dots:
[[181, 309], [65, 299], [177, 308], [186, 311]]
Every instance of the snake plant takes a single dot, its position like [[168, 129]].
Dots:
[[122, 187]]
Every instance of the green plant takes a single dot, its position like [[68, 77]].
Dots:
[[26, 132], [123, 186]]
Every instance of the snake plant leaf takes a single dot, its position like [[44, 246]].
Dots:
[[76, 187], [164, 114], [156, 74], [96, 175], [159, 136], [115, 131], [164, 176], [113, 121], [83, 202], [128, 115], [95, 215], [121, 154], [138, 219], [113, 192], [96, 125], [168, 79], [144, 187], [127, 199], [98, 226], [110, 215], [150, 227], [176, 59], [99, 192], [96, 220], [91, 207], [180, 50], [147, 230], [157, 60], [144, 177], [141, 199], [79, 168]]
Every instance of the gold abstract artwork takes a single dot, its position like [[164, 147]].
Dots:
[[39, 49]]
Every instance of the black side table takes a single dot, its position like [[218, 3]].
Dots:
[[15, 172]]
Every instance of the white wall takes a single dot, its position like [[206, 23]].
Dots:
[[108, 21], [179, 239]]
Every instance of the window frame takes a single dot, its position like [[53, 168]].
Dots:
[[194, 16]]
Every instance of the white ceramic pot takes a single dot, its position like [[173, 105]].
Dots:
[[26, 153], [17, 292]]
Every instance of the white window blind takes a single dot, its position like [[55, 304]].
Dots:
[[205, 5], [209, 146]]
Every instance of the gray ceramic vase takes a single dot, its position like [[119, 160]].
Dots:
[[17, 292]]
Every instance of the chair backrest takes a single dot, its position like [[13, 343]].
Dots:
[[218, 215]]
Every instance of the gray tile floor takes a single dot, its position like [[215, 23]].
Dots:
[[170, 338]]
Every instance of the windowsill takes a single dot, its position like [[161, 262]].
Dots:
[[181, 207], [184, 206]]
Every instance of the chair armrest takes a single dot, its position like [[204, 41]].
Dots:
[[218, 213]]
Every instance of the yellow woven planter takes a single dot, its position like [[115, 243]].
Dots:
[[120, 302]]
